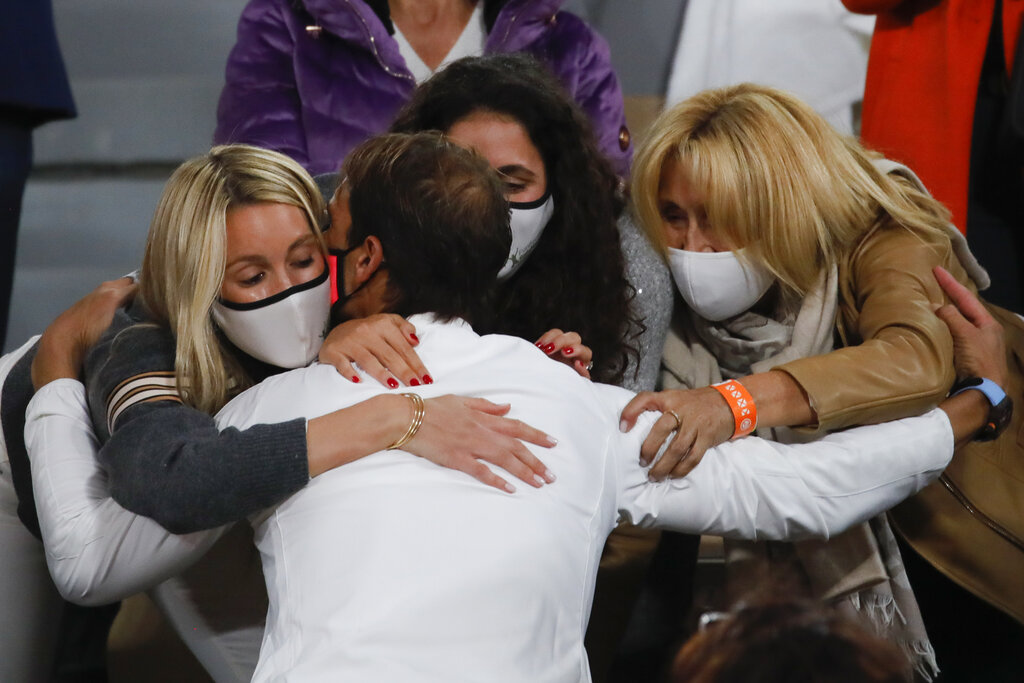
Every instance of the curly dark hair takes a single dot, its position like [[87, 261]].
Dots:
[[574, 279]]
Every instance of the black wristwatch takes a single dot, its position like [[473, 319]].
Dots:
[[1000, 412]]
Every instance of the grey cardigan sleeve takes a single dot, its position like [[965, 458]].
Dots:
[[168, 461], [652, 304]]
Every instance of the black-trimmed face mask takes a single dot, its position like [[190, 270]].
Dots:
[[286, 329], [527, 221]]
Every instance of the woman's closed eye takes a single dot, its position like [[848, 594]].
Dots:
[[513, 188], [674, 214], [253, 280]]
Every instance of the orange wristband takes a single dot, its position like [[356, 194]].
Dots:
[[744, 412]]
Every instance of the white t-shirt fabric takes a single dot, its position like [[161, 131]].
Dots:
[[470, 43], [393, 569], [816, 49]]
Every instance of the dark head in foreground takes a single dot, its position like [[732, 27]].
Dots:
[[787, 641]]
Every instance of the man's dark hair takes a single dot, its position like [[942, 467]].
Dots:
[[441, 217]]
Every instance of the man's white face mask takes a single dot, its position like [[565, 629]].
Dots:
[[286, 329], [718, 285], [527, 221]]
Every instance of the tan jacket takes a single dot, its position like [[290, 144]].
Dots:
[[970, 523], [897, 360], [897, 356]]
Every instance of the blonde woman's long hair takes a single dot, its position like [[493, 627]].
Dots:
[[777, 179], [183, 267]]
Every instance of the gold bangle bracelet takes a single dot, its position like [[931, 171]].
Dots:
[[414, 426]]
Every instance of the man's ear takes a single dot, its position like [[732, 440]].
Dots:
[[368, 258]]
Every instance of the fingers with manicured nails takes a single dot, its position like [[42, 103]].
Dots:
[[547, 339], [515, 432], [566, 343], [360, 356], [483, 473], [408, 367], [581, 369], [580, 352], [382, 346], [510, 458], [343, 366], [517, 429], [408, 330], [460, 432]]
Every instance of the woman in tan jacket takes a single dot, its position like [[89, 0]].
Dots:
[[804, 268]]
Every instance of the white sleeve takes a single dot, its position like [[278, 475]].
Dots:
[[97, 551], [763, 490]]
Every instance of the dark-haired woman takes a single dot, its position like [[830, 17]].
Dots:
[[568, 269]]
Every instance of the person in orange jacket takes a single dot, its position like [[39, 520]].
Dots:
[[936, 100]]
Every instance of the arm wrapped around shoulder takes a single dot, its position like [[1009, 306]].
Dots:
[[899, 357], [763, 490]]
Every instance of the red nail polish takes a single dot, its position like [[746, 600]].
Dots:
[[549, 348], [537, 344], [355, 379], [392, 382], [567, 351], [427, 379], [414, 382], [413, 336]]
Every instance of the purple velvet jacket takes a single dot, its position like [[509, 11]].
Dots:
[[314, 78]]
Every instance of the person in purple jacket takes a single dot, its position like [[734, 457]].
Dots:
[[314, 78]]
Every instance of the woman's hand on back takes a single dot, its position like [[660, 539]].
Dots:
[[382, 345], [459, 432], [69, 337], [568, 348], [695, 419]]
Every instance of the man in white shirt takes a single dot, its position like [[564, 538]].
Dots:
[[391, 569]]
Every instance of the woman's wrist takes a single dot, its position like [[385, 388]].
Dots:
[[352, 433], [781, 401], [55, 360]]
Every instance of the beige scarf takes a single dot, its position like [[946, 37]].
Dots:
[[860, 571]]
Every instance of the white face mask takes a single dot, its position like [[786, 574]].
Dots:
[[527, 221], [285, 330], [718, 285]]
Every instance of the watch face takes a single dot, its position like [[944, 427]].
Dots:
[[998, 420]]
